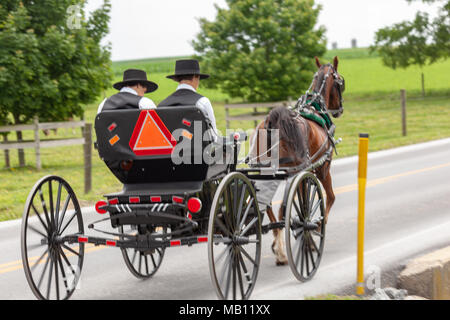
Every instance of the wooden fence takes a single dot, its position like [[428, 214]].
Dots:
[[38, 144]]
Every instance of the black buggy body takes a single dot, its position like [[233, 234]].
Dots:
[[182, 186]]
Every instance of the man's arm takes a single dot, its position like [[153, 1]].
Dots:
[[205, 105], [100, 107], [145, 104]]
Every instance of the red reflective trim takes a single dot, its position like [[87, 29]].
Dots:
[[113, 201], [236, 136], [202, 239], [112, 126], [175, 243], [110, 243], [186, 122], [100, 204], [177, 199], [189, 216], [134, 199], [82, 239], [155, 199]]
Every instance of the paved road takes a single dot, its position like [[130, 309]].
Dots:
[[407, 212]]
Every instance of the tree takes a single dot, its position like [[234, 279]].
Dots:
[[418, 42], [261, 50], [50, 67]]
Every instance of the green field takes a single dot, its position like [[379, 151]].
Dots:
[[371, 104]]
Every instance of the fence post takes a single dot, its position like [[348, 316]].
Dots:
[[37, 142], [7, 163], [403, 97], [87, 157]]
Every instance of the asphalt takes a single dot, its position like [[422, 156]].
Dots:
[[407, 212]]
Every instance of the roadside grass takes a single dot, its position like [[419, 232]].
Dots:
[[372, 105]]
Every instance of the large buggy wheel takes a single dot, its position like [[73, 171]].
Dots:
[[234, 238], [305, 227], [52, 267], [143, 264]]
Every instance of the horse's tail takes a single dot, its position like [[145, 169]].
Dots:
[[290, 131]]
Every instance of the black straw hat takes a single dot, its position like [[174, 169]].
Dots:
[[136, 75], [187, 68]]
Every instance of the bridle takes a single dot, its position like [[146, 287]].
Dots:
[[316, 95]]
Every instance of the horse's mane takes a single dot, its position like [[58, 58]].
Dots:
[[285, 120]]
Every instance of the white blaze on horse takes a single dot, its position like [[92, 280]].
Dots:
[[305, 135]]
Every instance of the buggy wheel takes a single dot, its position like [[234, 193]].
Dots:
[[305, 227], [52, 267], [234, 238], [143, 264]]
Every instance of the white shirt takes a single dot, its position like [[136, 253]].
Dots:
[[144, 104], [203, 104]]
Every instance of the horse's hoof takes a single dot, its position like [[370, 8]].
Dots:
[[281, 263]]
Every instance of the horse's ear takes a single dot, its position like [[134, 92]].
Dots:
[[318, 62], [335, 63]]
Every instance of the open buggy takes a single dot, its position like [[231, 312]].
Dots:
[[164, 205]]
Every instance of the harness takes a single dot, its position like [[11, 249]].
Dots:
[[312, 106]]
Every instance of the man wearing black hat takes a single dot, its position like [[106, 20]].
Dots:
[[187, 74], [131, 92]]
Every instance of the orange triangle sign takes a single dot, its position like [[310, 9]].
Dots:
[[151, 136]]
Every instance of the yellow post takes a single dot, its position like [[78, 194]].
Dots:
[[362, 178]]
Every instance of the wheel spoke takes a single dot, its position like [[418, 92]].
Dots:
[[249, 257], [314, 210], [63, 272], [58, 202], [43, 271], [247, 210], [63, 211], [153, 261], [247, 228], [69, 222], [241, 204], [37, 231], [71, 250], [50, 197], [45, 209], [222, 227], [56, 278], [40, 219], [39, 260], [50, 276]]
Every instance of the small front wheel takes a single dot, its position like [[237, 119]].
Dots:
[[305, 227]]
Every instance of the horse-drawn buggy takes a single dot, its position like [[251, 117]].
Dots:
[[200, 196]]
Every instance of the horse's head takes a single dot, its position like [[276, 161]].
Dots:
[[330, 84]]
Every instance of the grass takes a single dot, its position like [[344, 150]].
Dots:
[[372, 105]]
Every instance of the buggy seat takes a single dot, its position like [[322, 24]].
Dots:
[[137, 147]]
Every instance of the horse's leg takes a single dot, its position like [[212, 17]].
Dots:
[[281, 259], [325, 178], [277, 244]]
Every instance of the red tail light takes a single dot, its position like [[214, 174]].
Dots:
[[194, 205], [99, 205]]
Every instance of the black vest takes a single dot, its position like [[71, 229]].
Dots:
[[122, 100], [182, 97]]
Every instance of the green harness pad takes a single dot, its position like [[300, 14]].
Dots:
[[322, 119]]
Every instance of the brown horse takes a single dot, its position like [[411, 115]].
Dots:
[[303, 140]]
